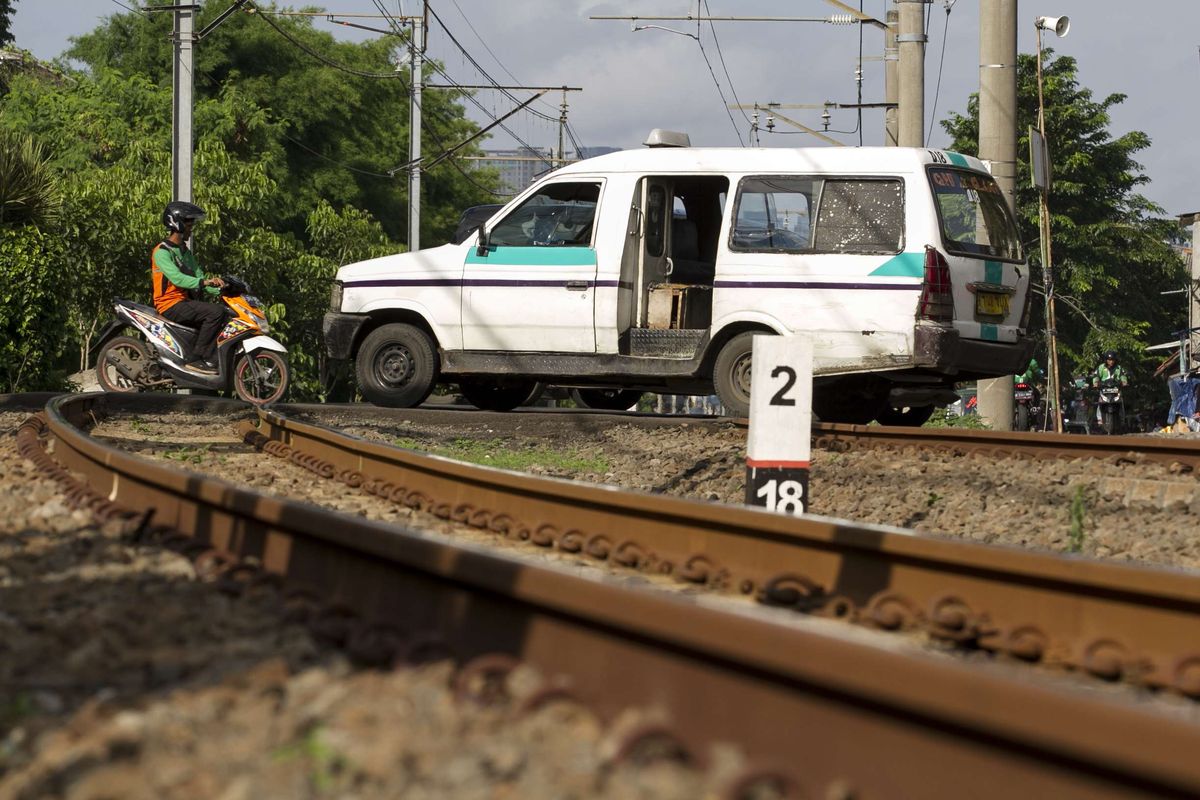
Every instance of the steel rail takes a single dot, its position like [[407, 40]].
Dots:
[[1034, 445], [1113, 621], [830, 713]]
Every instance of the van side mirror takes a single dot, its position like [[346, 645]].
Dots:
[[483, 244]]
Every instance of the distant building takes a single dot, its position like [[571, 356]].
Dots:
[[520, 167], [592, 152]]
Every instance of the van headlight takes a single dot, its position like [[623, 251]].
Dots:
[[335, 296]]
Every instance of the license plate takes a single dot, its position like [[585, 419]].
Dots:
[[1023, 395], [991, 304]]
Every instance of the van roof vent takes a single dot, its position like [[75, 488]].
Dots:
[[663, 138]]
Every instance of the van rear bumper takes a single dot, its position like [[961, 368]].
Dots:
[[944, 350]]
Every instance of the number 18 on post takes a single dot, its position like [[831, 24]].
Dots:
[[778, 445]]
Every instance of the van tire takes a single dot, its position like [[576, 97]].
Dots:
[[731, 374], [911, 417], [606, 399], [490, 394], [397, 366]]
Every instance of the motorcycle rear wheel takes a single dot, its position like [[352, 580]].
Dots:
[[124, 348], [1022, 417], [261, 377]]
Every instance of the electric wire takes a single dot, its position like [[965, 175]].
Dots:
[[717, 83], [320, 57], [941, 63], [721, 56]]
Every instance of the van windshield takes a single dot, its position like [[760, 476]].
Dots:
[[974, 215]]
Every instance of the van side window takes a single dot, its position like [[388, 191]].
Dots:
[[557, 215], [818, 215], [656, 208]]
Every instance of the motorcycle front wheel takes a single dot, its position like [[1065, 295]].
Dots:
[[261, 377], [118, 357]]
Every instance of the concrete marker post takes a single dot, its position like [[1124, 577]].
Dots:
[[779, 441]]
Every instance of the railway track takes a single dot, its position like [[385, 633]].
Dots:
[[788, 690], [1184, 452]]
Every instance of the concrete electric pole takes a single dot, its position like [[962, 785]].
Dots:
[[998, 145], [417, 52], [181, 111], [911, 40], [891, 86]]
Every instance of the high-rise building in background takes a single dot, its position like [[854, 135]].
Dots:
[[518, 168]]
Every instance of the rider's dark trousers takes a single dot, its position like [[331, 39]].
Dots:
[[209, 318]]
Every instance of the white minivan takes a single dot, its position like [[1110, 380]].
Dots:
[[652, 270]]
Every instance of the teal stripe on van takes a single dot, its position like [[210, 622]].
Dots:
[[957, 159], [905, 265], [993, 272], [535, 257], [989, 332]]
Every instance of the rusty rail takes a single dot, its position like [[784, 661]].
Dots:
[[829, 714], [1112, 621], [1032, 445]]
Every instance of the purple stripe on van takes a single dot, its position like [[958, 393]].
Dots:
[[480, 282], [810, 285]]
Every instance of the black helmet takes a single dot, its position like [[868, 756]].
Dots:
[[178, 212], [1111, 354]]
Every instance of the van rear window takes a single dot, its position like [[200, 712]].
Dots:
[[974, 215], [819, 215]]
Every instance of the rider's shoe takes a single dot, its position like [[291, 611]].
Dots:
[[201, 365]]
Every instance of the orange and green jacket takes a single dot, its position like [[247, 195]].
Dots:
[[176, 275]]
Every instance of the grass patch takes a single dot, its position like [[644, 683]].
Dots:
[[186, 455], [325, 763], [501, 454], [942, 419]]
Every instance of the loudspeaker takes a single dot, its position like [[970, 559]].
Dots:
[[1060, 25]]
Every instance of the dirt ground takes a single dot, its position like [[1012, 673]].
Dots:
[[123, 675]]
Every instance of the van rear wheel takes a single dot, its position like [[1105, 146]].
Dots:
[[397, 366], [731, 374]]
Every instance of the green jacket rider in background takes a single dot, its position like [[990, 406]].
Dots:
[[1110, 370], [1031, 373]]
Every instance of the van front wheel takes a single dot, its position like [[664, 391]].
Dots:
[[397, 366], [731, 374]]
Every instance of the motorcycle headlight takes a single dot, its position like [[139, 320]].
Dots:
[[335, 296]]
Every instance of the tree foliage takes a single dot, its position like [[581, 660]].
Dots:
[[1110, 249], [6, 12], [291, 166], [335, 113]]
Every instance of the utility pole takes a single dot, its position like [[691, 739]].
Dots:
[[911, 39], [417, 51], [181, 107], [998, 146], [562, 128], [891, 87]]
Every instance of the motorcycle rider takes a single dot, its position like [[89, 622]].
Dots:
[[1109, 370], [179, 283]]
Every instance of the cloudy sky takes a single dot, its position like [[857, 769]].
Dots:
[[633, 81]]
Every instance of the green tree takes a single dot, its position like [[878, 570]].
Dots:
[[31, 310], [338, 111], [6, 12], [1111, 254]]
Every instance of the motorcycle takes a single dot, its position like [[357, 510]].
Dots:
[[1027, 406], [1110, 406], [250, 363]]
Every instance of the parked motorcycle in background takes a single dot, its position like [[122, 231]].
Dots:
[[1027, 407], [249, 363], [1111, 407]]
